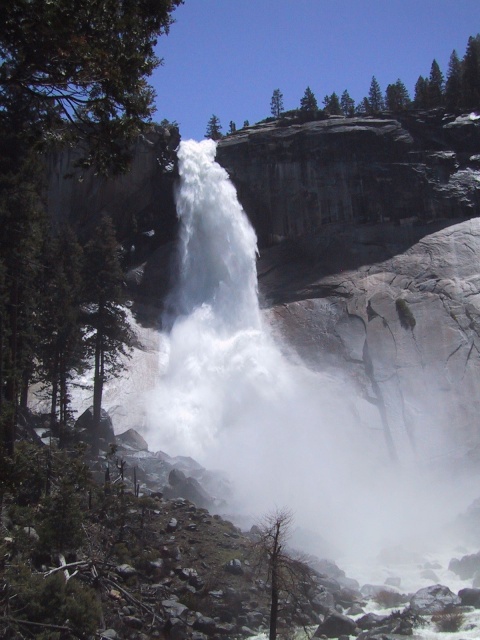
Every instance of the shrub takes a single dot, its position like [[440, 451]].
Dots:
[[448, 622], [405, 315], [51, 601], [388, 599]]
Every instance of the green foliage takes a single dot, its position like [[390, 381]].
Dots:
[[308, 102], [110, 337], [347, 104], [52, 601], [453, 85], [471, 74], [332, 105], [396, 97], [85, 64], [405, 315], [375, 97], [60, 519], [214, 128], [276, 104], [421, 93], [435, 86]]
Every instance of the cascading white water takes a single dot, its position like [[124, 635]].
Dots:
[[286, 436]]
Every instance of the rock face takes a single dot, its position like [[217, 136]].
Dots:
[[293, 180], [140, 202], [398, 310], [369, 254]]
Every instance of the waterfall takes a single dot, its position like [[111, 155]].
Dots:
[[217, 243], [228, 397]]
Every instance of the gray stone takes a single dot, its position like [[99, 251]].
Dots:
[[235, 567], [132, 440], [133, 622], [174, 608], [434, 599], [109, 634], [470, 597], [125, 571], [172, 525], [205, 625], [334, 625], [466, 567]]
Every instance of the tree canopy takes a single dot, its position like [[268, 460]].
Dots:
[[276, 103], [71, 71], [84, 64]]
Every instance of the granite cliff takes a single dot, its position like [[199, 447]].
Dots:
[[293, 180], [369, 254]]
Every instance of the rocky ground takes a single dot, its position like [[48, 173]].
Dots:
[[162, 566]]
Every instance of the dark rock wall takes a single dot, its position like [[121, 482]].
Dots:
[[140, 201], [293, 180]]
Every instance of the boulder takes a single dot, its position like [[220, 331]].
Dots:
[[466, 566], [125, 571], [433, 599], [182, 486], [132, 441], [83, 428], [235, 567], [206, 625], [335, 625], [370, 621], [470, 597]]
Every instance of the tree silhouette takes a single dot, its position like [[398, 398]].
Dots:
[[214, 128], [286, 575], [453, 85], [347, 104], [308, 102], [276, 103], [375, 97], [435, 86]]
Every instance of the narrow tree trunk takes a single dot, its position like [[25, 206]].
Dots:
[[97, 394], [63, 402], [98, 382], [11, 382], [274, 605], [53, 404]]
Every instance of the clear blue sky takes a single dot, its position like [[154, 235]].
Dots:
[[225, 57]]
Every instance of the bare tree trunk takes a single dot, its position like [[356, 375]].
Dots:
[[97, 393], [274, 605]]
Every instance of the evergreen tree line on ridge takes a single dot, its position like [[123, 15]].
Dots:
[[459, 90]]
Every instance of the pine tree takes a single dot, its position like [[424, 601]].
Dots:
[[332, 105], [61, 348], [276, 104], [214, 128], [110, 337], [396, 97], [347, 104], [471, 74], [375, 97], [232, 127], [435, 86], [86, 64], [453, 85], [308, 102], [420, 100], [22, 225], [363, 108]]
